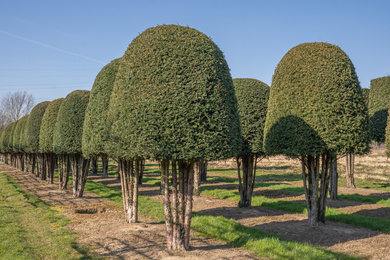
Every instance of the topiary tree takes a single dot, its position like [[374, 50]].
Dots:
[[316, 111], [366, 96], [379, 103], [49, 121], [67, 136], [33, 128], [95, 130], [173, 101], [252, 98], [7, 143], [18, 141]]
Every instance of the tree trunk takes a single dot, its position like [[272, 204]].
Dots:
[[334, 178], [141, 172], [197, 169], [247, 180], [178, 211], [94, 166], [105, 166], [50, 165], [129, 185], [203, 171], [63, 171], [315, 175], [80, 166], [350, 169], [41, 166]]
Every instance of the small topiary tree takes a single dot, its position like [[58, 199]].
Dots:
[[67, 136], [173, 101], [7, 143], [18, 141], [379, 103], [316, 111], [33, 128], [96, 127], [252, 98], [49, 120]]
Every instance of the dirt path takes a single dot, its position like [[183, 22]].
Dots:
[[100, 224]]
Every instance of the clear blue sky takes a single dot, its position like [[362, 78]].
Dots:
[[50, 48]]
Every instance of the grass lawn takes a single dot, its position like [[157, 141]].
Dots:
[[30, 229]]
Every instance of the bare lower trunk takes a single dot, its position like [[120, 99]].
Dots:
[[203, 171], [94, 166], [50, 165], [315, 175], [197, 167], [129, 185], [41, 166], [247, 180], [334, 178], [63, 171], [350, 169], [80, 166], [105, 166], [178, 211]]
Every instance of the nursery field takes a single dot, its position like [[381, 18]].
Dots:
[[59, 226]]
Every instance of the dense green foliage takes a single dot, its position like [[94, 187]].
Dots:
[[33, 127], [68, 130], [47, 126], [19, 135], [316, 104], [173, 98], [95, 131], [7, 138], [252, 98], [379, 104], [366, 95]]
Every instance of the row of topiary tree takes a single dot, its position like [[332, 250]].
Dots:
[[171, 98]]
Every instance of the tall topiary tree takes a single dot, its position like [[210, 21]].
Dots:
[[379, 103], [316, 111], [49, 120], [67, 136], [174, 101], [366, 96], [95, 130], [33, 128], [252, 98]]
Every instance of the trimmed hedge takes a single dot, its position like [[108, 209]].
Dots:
[[379, 104], [33, 127], [316, 104], [173, 99], [252, 98], [68, 130], [96, 127], [49, 121]]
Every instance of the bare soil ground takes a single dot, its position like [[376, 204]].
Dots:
[[101, 226]]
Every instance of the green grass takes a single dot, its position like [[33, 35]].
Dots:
[[30, 229], [262, 244]]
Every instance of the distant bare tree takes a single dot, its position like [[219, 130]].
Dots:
[[3, 121], [14, 106]]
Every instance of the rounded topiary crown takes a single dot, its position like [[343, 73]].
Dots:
[[33, 127], [95, 131], [316, 104], [252, 98], [68, 130], [47, 126], [379, 103], [173, 98]]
